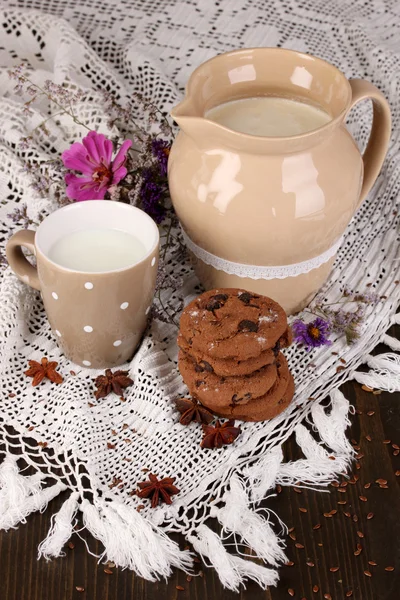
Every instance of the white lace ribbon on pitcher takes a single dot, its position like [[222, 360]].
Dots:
[[260, 271]]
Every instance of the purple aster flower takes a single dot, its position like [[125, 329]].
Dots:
[[312, 335], [161, 150], [151, 195], [93, 158]]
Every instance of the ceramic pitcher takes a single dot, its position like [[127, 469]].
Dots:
[[268, 213]]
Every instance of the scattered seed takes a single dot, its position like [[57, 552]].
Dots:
[[335, 484], [368, 573], [389, 568], [71, 545], [370, 413], [396, 452], [355, 518], [278, 489], [342, 501], [340, 369], [386, 441], [332, 457], [357, 552], [366, 388], [369, 438], [180, 588], [342, 490], [310, 564], [303, 510], [397, 473], [359, 547], [343, 360], [367, 486], [358, 466], [320, 545], [347, 514], [300, 546], [31, 428], [327, 597], [110, 564], [370, 516], [328, 515], [290, 530], [110, 446], [335, 353], [292, 536], [291, 592], [315, 589], [145, 470], [317, 526], [349, 593], [395, 446], [297, 490], [384, 487], [79, 588], [189, 578], [377, 392], [363, 498], [360, 534], [381, 481], [357, 448], [290, 563], [360, 455], [334, 569], [333, 512], [343, 484], [372, 563], [72, 373], [11, 395], [108, 571]]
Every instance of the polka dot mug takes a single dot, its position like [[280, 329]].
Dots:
[[97, 316]]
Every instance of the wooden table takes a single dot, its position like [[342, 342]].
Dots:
[[313, 574]]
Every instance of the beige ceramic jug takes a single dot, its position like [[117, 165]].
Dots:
[[268, 213]]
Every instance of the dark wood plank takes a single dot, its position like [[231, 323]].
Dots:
[[22, 577]]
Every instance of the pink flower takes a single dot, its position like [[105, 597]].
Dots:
[[93, 158]]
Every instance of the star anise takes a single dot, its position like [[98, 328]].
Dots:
[[43, 369], [220, 434], [157, 489], [191, 410], [112, 382]]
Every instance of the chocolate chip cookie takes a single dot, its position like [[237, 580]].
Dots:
[[226, 367], [205, 385], [264, 407], [232, 323]]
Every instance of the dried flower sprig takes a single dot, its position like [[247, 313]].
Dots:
[[344, 317]]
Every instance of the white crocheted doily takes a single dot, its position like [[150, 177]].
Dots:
[[151, 46]]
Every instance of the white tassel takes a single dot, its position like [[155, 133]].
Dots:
[[317, 469], [392, 342], [20, 495], [232, 570], [36, 501], [262, 475], [332, 427], [60, 530], [131, 541], [237, 517], [385, 373], [396, 318]]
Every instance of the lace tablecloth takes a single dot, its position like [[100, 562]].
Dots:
[[98, 449]]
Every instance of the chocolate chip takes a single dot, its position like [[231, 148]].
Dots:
[[206, 366], [236, 399], [216, 302], [246, 298], [248, 326], [276, 349]]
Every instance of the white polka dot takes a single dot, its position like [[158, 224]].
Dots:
[[55, 296], [87, 363], [58, 333], [117, 343], [148, 310], [124, 305], [88, 329], [88, 285], [153, 261]]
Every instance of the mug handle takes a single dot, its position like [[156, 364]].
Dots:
[[16, 259], [378, 142]]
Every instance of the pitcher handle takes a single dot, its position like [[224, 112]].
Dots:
[[378, 142], [16, 258]]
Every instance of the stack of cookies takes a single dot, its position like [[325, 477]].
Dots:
[[230, 358]]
